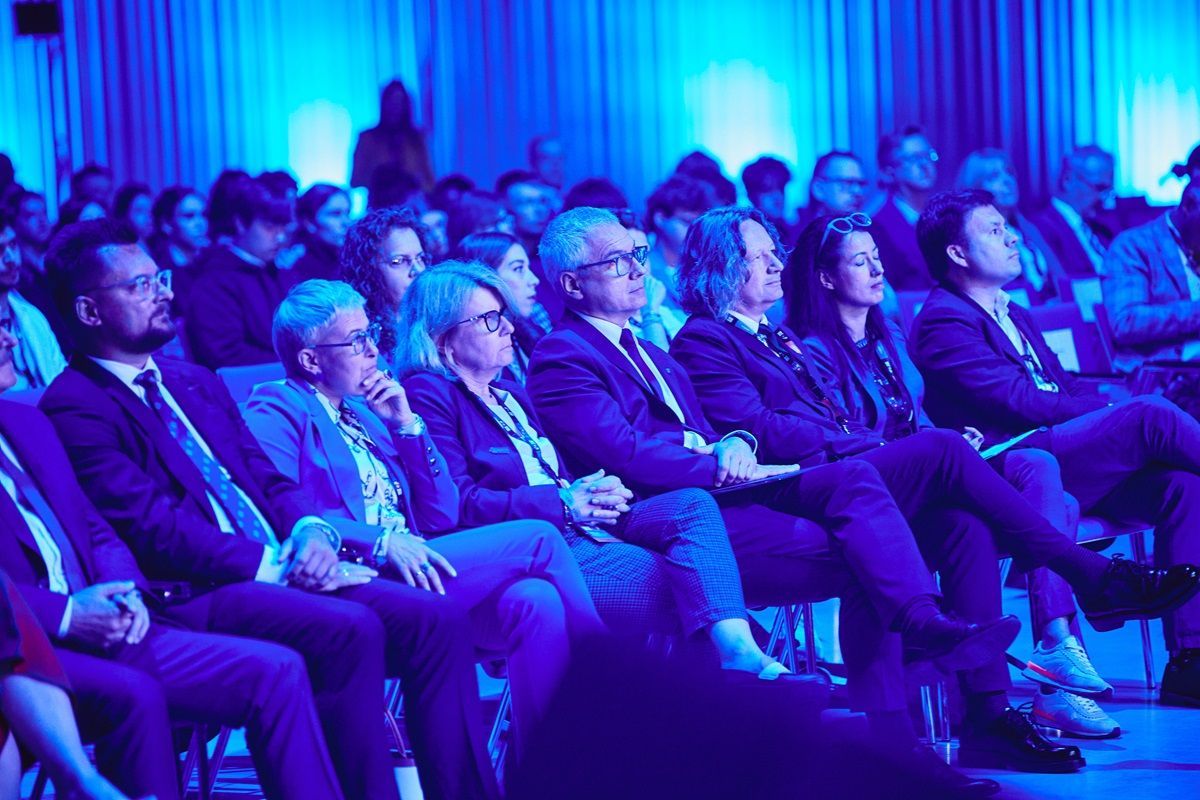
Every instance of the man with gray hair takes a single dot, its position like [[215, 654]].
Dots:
[[1071, 223], [610, 402]]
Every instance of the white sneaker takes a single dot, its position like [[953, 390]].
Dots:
[[1066, 666], [1073, 715]]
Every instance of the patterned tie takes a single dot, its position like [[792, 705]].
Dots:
[[630, 347], [28, 492], [244, 520]]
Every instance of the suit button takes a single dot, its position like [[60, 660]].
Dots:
[[433, 461], [437, 472], [428, 449]]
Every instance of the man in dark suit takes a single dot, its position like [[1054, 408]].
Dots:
[[908, 170], [128, 671], [1074, 223], [611, 403], [162, 452], [985, 363]]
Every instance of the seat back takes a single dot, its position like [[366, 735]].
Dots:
[[240, 381], [1080, 346]]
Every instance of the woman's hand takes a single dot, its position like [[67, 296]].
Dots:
[[417, 562], [386, 398], [973, 436], [597, 499]]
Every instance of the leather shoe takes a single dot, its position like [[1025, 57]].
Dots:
[[1010, 741], [1181, 680], [1130, 591], [943, 780], [952, 644]]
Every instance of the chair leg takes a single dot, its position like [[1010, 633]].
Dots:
[[789, 638], [393, 712], [214, 764], [498, 740], [934, 713], [190, 759], [810, 639], [1138, 541], [39, 784]]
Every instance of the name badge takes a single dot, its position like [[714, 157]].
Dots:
[[500, 451]]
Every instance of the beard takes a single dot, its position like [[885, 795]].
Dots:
[[153, 338]]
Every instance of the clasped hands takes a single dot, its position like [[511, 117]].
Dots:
[[596, 499], [736, 462], [105, 614]]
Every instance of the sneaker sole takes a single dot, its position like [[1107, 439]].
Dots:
[[977, 650], [1045, 678], [1111, 620], [988, 759], [1054, 727]]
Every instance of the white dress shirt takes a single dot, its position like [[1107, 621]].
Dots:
[[515, 416], [1086, 236], [1024, 347]]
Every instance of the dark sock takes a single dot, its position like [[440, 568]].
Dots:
[[1082, 568], [983, 707], [892, 730], [915, 613]]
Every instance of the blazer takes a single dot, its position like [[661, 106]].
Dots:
[[868, 404], [600, 413], [976, 377], [1060, 237], [896, 239], [306, 446], [489, 473], [1146, 295], [148, 489], [742, 384], [102, 555]]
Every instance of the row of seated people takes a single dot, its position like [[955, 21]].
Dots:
[[608, 496]]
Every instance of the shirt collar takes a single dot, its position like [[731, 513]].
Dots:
[[611, 330], [910, 214], [1069, 214], [126, 374], [334, 412], [250, 259], [751, 324], [1000, 311]]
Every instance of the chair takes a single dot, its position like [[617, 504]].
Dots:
[[240, 381], [783, 632], [1088, 297], [1079, 345], [910, 305]]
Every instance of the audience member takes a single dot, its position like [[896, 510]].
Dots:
[[180, 229], [528, 203], [435, 221], [908, 172], [161, 450], [766, 183], [1151, 287], [648, 323], [396, 140], [343, 429], [391, 185], [1071, 223], [447, 191], [703, 167], [863, 358], [93, 182], [78, 209], [670, 209], [324, 216], [477, 211], [1188, 169], [508, 258], [1042, 277], [27, 210], [37, 357], [670, 567], [595, 193], [643, 422], [134, 205], [8, 179], [384, 252], [221, 226], [838, 185], [547, 161], [237, 284], [986, 364]]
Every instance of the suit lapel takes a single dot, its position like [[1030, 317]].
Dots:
[[1167, 250], [337, 453], [613, 354], [507, 449]]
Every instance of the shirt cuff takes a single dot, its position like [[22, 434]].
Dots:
[[64, 626], [335, 538], [414, 428], [268, 570], [745, 436]]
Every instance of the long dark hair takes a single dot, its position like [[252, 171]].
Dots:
[[812, 309]]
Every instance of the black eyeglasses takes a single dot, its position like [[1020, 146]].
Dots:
[[623, 262], [143, 285], [844, 225], [491, 319], [357, 341]]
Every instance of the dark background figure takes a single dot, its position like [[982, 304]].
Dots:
[[392, 185], [908, 171], [395, 140], [598, 192], [180, 229], [529, 204], [8, 179], [766, 183], [703, 167], [477, 210], [93, 182], [547, 160], [79, 208], [220, 219], [27, 213], [134, 205], [324, 216], [448, 190], [670, 209]]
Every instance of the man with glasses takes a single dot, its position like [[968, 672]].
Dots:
[[237, 286], [163, 454], [908, 171], [838, 186], [37, 358], [986, 364], [1073, 223]]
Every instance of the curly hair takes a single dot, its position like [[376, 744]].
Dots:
[[359, 259], [713, 269]]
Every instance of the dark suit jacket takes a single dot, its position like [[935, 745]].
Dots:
[[975, 376], [1061, 238], [491, 479], [102, 556], [742, 384], [294, 428], [229, 309], [898, 250], [600, 413], [146, 486]]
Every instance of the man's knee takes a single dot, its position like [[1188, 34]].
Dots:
[[1028, 466]]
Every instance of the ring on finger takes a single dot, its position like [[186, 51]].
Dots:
[[425, 567]]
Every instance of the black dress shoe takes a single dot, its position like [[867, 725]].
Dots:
[[1181, 680], [1130, 591], [942, 780], [1011, 742], [952, 644]]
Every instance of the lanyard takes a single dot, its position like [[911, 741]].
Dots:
[[520, 433], [791, 355], [895, 393], [351, 425]]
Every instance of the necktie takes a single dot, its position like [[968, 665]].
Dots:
[[244, 520], [630, 347], [28, 492]]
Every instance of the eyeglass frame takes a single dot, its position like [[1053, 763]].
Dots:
[[499, 312], [370, 334], [421, 258], [848, 219], [644, 251], [160, 280]]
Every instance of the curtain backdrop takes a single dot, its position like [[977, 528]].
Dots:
[[174, 90]]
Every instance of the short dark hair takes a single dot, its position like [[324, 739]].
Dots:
[[487, 247], [679, 193], [596, 193], [250, 199], [86, 171], [126, 195], [314, 198], [448, 189], [73, 262], [278, 182], [512, 177], [824, 160], [889, 143], [943, 223], [220, 217], [359, 260], [703, 167], [476, 210], [767, 174], [166, 203]]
